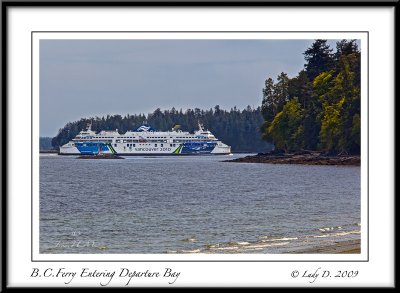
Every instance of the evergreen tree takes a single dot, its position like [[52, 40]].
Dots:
[[281, 91], [269, 109], [319, 58], [345, 47]]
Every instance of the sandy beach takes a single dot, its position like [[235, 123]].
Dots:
[[345, 247]]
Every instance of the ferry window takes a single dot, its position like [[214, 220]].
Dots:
[[115, 144], [155, 144], [162, 145], [133, 144], [170, 145], [127, 144]]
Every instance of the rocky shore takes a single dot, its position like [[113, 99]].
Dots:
[[304, 158]]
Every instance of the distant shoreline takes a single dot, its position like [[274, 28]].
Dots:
[[48, 151], [303, 158]]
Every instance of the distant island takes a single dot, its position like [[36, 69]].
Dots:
[[45, 143]]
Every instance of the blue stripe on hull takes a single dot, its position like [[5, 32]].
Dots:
[[198, 147], [188, 148], [91, 148]]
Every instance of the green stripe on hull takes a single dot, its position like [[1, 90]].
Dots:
[[177, 151], [111, 148]]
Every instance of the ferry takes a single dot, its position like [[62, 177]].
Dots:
[[145, 141]]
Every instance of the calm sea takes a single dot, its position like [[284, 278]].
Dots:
[[196, 204]]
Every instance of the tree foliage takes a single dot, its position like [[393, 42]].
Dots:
[[321, 109], [319, 58], [286, 130]]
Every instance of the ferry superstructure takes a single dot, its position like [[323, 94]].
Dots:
[[145, 141]]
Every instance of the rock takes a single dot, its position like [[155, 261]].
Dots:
[[303, 157]]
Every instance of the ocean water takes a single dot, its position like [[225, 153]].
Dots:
[[195, 204]]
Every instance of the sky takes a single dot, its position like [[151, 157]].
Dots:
[[89, 78]]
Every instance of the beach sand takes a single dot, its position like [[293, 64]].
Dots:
[[345, 247]]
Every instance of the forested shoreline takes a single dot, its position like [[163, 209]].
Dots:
[[45, 143], [238, 128], [319, 109]]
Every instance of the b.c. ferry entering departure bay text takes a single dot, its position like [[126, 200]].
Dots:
[[145, 141]]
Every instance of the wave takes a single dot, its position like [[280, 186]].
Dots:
[[225, 248], [191, 251], [261, 246], [264, 242], [342, 227], [237, 243], [280, 239], [197, 250], [337, 234], [330, 229], [189, 240]]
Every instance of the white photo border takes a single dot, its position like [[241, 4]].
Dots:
[[198, 35]]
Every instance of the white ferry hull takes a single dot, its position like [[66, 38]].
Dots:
[[143, 143], [69, 149]]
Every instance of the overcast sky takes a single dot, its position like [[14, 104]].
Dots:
[[87, 78]]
